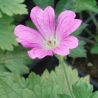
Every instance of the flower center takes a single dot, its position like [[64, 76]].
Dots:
[[51, 43]]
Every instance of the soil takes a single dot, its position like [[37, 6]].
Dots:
[[87, 65]]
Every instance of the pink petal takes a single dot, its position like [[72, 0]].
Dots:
[[28, 37], [61, 50], [65, 46], [39, 53], [65, 15], [44, 20], [70, 42], [49, 20], [67, 27]]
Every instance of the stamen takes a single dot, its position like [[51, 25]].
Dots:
[[50, 44]]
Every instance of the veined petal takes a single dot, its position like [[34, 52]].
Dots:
[[65, 46], [61, 50], [70, 42], [28, 37], [27, 44], [65, 15], [49, 21], [44, 20], [67, 27], [39, 53]]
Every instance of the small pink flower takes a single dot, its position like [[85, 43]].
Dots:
[[52, 37]]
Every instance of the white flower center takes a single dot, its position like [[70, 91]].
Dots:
[[51, 43]]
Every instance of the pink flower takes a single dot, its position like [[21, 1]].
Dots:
[[52, 37]]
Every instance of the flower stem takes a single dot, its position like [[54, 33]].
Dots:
[[94, 19], [61, 62], [87, 40], [90, 18]]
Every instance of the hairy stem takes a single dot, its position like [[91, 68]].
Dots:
[[90, 33], [62, 63], [87, 40], [94, 19], [90, 18]]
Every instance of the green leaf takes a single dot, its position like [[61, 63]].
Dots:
[[82, 89], [96, 37], [14, 86], [13, 7], [61, 5], [54, 83], [77, 5], [81, 5], [7, 38], [44, 3], [80, 29], [95, 94], [49, 85], [80, 51], [64, 96], [46, 86], [94, 49], [15, 61], [3, 68], [30, 24], [0, 14]]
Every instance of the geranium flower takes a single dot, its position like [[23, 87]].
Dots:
[[50, 37]]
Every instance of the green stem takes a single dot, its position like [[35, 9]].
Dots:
[[90, 33], [87, 40], [61, 61], [94, 19], [90, 18]]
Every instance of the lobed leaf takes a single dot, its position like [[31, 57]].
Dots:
[[44, 3], [7, 38], [82, 90], [49, 85], [94, 49], [80, 51], [12, 7], [15, 61], [77, 5]]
